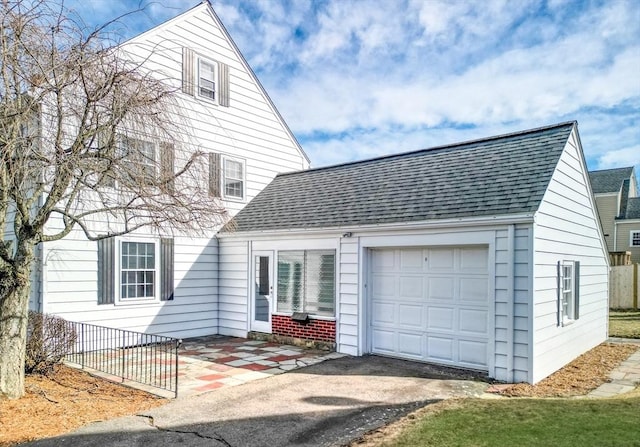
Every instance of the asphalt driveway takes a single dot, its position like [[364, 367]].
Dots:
[[330, 403]]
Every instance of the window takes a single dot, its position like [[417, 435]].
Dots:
[[142, 155], [635, 239], [233, 179], [137, 270], [306, 282], [144, 272], [568, 291], [207, 79]]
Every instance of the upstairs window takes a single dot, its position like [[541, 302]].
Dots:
[[635, 239], [142, 154], [234, 175], [207, 79]]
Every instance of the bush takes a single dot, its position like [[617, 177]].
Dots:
[[49, 339]]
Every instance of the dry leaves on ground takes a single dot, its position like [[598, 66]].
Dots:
[[582, 375], [65, 400]]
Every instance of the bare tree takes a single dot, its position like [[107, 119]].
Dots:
[[89, 141]]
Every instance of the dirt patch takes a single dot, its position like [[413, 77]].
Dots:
[[582, 375], [65, 400]]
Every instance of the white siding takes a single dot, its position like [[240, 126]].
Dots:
[[250, 129], [233, 288], [72, 289], [566, 228], [347, 312]]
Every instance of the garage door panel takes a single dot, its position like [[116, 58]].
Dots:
[[410, 316], [440, 259], [474, 260], [385, 286], [441, 288], [474, 289], [383, 312], [411, 344], [411, 260], [440, 319], [473, 353], [411, 287], [384, 341], [431, 304], [440, 349], [473, 321]]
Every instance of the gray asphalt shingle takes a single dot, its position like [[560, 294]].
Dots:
[[494, 176], [609, 180]]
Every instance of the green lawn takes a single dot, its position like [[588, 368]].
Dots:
[[529, 422], [624, 323]]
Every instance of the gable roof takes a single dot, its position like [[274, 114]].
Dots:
[[609, 180], [633, 208], [494, 176], [206, 5]]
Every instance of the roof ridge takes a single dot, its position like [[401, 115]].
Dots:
[[440, 147]]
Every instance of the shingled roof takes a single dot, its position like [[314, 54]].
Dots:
[[494, 176], [609, 180]]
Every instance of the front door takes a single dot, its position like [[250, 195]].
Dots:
[[262, 302]]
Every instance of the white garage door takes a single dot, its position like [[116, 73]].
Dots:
[[431, 304]]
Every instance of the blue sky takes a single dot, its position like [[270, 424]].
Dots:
[[358, 79]]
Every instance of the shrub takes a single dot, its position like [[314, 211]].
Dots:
[[49, 339]]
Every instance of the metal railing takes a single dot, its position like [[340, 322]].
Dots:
[[143, 358]]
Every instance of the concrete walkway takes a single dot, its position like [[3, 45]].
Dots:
[[624, 378]]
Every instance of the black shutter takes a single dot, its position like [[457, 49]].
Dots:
[[223, 84], [188, 72], [167, 164], [166, 269], [559, 295], [106, 265], [576, 290], [214, 174]]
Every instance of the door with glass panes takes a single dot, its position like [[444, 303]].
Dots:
[[262, 293]]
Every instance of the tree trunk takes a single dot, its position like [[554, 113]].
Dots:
[[14, 307]]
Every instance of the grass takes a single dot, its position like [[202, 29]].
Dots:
[[624, 323], [528, 422]]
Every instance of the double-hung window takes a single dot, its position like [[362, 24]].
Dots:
[[233, 178], [143, 157], [568, 291], [635, 239], [207, 79], [306, 282], [138, 270]]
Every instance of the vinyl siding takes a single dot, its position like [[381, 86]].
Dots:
[[347, 313], [607, 206], [233, 290], [566, 228], [623, 238], [71, 289]]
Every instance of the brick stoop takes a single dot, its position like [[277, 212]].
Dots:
[[287, 340]]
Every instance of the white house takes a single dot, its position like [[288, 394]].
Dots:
[[485, 255], [231, 117]]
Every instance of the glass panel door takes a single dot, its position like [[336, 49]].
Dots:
[[262, 291]]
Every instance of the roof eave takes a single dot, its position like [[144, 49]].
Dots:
[[462, 222]]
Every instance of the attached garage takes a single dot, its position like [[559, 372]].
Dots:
[[431, 304], [463, 255]]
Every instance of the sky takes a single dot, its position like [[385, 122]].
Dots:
[[365, 78]]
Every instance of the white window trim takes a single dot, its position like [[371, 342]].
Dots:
[[568, 318], [335, 284], [216, 68], [223, 188], [631, 233], [118, 272]]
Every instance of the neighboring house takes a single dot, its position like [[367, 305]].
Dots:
[[485, 255], [616, 193], [231, 117]]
